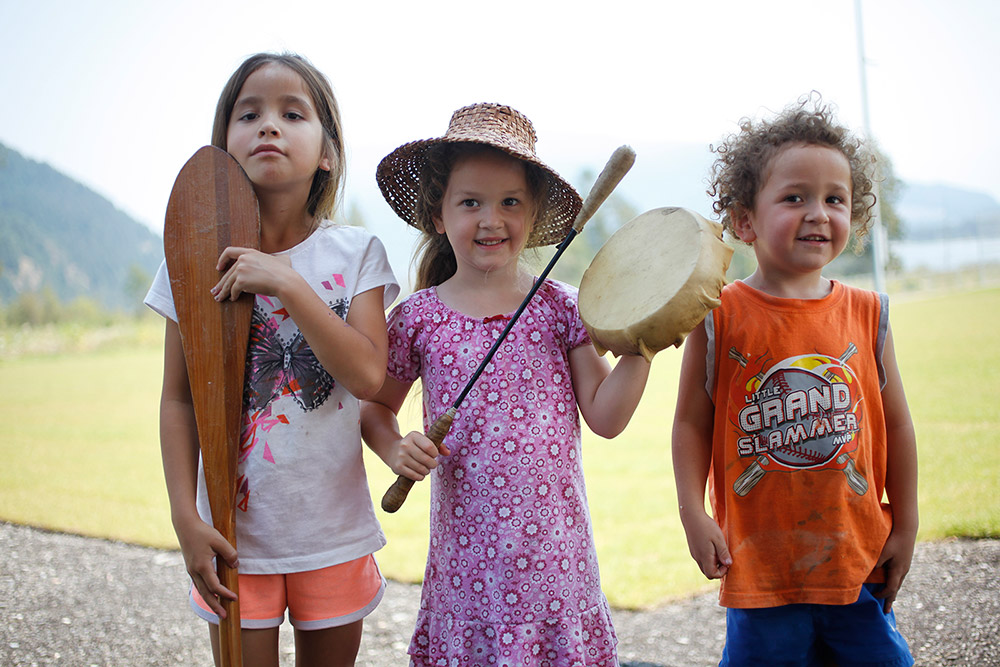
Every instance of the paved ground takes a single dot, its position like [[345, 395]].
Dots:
[[68, 600]]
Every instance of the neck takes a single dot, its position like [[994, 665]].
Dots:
[[284, 222], [808, 286], [497, 292]]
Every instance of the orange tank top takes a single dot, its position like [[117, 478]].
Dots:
[[799, 455]]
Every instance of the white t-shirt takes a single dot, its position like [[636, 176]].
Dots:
[[303, 500]]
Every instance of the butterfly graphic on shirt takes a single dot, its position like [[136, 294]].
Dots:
[[276, 367]]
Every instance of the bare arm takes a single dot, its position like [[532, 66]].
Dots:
[[353, 352], [901, 478], [692, 457], [607, 397], [179, 448], [412, 456]]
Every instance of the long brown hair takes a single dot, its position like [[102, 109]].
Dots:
[[324, 195]]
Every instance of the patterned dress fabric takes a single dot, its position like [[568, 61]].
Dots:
[[512, 575]]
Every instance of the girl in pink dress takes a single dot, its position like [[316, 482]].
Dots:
[[512, 575]]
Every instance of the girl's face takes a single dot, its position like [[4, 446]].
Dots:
[[486, 212], [275, 132], [802, 218]]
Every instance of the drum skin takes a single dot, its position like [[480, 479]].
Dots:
[[653, 282]]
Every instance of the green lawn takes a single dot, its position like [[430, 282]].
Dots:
[[78, 440]]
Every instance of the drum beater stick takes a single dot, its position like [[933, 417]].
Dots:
[[618, 165]]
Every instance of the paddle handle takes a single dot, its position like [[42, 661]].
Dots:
[[614, 171], [396, 495], [230, 643]]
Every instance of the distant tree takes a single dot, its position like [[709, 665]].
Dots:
[[890, 188], [35, 308], [614, 213], [137, 281]]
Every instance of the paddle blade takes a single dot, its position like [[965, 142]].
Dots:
[[213, 206]]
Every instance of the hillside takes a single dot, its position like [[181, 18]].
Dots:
[[56, 233]]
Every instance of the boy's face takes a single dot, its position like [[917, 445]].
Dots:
[[802, 218]]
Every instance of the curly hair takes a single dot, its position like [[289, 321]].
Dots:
[[436, 260], [744, 159]]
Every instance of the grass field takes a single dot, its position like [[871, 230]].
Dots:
[[78, 441]]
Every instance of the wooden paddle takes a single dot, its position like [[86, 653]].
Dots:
[[213, 206], [614, 171]]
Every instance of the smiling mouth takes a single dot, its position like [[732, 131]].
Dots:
[[489, 243], [814, 239]]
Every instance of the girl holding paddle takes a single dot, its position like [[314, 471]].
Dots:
[[512, 571], [306, 529]]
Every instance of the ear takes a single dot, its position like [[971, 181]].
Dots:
[[743, 224], [324, 163], [438, 223]]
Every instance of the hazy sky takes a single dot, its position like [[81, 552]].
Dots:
[[119, 94]]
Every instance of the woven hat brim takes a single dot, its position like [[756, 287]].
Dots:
[[398, 177]]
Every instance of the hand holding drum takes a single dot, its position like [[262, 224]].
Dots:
[[653, 282]]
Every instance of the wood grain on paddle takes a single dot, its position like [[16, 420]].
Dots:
[[213, 206]]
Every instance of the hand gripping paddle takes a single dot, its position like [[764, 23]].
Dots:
[[618, 165], [213, 206]]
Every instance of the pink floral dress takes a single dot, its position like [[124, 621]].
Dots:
[[512, 576]]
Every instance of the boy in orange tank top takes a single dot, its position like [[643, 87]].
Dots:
[[792, 409]]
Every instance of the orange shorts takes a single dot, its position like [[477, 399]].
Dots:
[[317, 599]]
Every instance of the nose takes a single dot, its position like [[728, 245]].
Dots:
[[817, 213], [267, 127], [491, 217]]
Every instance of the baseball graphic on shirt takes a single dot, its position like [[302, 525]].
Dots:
[[801, 415]]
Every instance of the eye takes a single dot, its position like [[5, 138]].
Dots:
[[249, 115], [294, 115], [469, 203], [794, 199], [835, 199], [511, 201]]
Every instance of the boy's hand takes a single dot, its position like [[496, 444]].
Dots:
[[896, 556], [707, 545], [201, 544], [415, 456]]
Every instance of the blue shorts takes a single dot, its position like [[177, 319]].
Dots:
[[816, 634]]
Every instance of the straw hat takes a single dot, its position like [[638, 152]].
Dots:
[[495, 125]]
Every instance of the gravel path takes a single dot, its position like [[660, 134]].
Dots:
[[68, 600]]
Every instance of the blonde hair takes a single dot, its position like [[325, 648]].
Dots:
[[435, 259], [324, 195], [744, 158]]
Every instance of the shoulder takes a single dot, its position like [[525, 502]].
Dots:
[[347, 235], [860, 298], [416, 306], [558, 292]]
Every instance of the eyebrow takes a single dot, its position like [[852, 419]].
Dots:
[[253, 100]]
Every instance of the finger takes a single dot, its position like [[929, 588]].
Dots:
[[228, 553], [223, 287], [210, 598], [722, 551], [229, 255], [215, 587], [410, 473]]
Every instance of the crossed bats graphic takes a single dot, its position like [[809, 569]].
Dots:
[[755, 471]]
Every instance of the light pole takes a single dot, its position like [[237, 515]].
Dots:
[[880, 254]]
